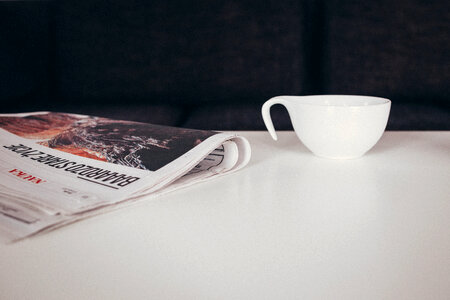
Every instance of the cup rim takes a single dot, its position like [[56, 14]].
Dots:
[[378, 100]]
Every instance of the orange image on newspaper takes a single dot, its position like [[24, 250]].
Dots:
[[133, 144]]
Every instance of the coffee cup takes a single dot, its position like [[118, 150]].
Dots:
[[334, 126]]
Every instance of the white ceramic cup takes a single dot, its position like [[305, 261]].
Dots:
[[334, 126]]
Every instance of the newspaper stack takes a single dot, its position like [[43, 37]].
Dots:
[[57, 168]]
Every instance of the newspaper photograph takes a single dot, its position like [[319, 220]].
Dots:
[[59, 167]]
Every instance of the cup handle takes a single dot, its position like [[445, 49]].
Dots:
[[265, 110]]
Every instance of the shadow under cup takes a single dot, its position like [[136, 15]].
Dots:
[[334, 126]]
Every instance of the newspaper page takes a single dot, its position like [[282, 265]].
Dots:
[[57, 167]]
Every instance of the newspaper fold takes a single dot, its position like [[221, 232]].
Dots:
[[57, 168]]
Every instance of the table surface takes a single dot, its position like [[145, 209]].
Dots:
[[288, 226]]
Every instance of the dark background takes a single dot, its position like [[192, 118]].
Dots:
[[211, 64]]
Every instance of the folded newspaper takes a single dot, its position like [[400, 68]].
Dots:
[[57, 168]]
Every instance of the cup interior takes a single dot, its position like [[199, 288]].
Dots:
[[340, 100]]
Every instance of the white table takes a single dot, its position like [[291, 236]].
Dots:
[[288, 226]]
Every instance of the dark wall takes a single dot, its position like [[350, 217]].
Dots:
[[179, 52], [25, 43], [211, 64], [397, 49]]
